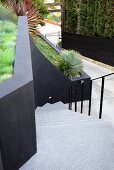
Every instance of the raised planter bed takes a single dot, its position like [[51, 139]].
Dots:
[[50, 84], [17, 110], [99, 49]]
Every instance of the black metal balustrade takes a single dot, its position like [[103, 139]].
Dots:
[[54, 38], [75, 88]]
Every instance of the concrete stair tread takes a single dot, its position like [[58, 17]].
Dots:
[[62, 113], [51, 107], [67, 140], [72, 122], [88, 146], [62, 117]]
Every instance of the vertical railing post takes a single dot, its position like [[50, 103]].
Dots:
[[75, 98], [101, 99], [89, 111], [82, 90], [70, 98]]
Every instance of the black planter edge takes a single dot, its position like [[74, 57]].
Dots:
[[51, 44], [83, 76], [54, 83]]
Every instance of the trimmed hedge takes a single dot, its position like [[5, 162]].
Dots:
[[90, 17], [109, 20], [83, 16], [95, 17], [101, 17], [71, 15]]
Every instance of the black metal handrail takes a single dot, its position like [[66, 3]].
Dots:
[[103, 76], [54, 37], [71, 89]]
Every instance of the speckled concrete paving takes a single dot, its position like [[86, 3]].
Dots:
[[69, 141]]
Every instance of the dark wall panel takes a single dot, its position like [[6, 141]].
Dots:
[[50, 82], [99, 49], [1, 166], [17, 130], [17, 107]]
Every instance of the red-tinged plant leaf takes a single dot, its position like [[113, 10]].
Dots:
[[28, 4], [25, 8]]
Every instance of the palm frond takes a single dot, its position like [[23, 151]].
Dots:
[[25, 8]]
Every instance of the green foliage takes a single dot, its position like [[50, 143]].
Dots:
[[8, 32], [101, 17], [109, 22], [42, 7], [83, 16], [104, 18], [95, 17], [90, 17], [71, 64], [47, 50], [68, 62], [54, 17], [5, 77], [71, 18], [25, 8], [6, 14]]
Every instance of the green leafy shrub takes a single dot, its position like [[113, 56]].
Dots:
[[54, 17], [101, 17], [68, 62], [8, 33], [109, 22], [47, 50], [43, 9], [95, 18], [71, 64], [90, 17], [25, 8], [83, 16], [71, 17]]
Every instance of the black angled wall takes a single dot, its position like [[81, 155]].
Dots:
[[17, 108], [50, 85]]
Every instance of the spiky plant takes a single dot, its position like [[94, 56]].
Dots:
[[25, 8], [6, 14], [71, 64]]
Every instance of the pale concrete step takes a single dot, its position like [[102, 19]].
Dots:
[[51, 107], [71, 141], [58, 113], [78, 147], [62, 117]]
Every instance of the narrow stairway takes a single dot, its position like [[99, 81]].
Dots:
[[67, 140]]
